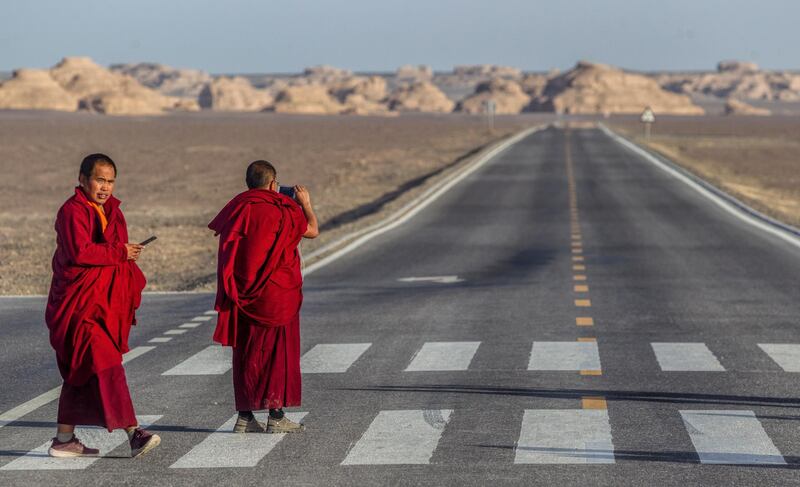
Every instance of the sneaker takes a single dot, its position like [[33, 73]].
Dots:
[[283, 425], [142, 442], [249, 426], [71, 449]]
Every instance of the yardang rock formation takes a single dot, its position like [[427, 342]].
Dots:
[[598, 88], [506, 94], [420, 96], [233, 94], [35, 89]]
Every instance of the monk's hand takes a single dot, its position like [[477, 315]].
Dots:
[[302, 196], [134, 250]]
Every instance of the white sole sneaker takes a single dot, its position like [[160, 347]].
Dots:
[[154, 441], [68, 454]]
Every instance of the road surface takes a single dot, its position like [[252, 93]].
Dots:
[[568, 314]]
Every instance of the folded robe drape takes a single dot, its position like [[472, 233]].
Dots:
[[259, 294], [91, 307]]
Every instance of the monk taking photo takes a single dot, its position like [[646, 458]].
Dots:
[[95, 292], [259, 293]]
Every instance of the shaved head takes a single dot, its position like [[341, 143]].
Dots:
[[260, 174], [92, 160]]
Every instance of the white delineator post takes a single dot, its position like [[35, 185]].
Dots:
[[490, 108], [647, 118]]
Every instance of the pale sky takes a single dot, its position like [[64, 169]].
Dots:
[[241, 36]]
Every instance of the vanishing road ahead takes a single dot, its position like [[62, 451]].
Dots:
[[568, 314]]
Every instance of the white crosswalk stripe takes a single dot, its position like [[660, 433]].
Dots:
[[440, 356], [686, 357], [135, 353], [565, 436], [202, 318], [175, 332], [225, 449], [787, 355], [400, 437], [730, 437], [38, 459], [212, 360], [564, 356], [331, 357]]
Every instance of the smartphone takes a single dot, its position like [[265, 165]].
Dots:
[[148, 240], [287, 190]]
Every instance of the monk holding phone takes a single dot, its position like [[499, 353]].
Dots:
[[95, 292], [259, 293]]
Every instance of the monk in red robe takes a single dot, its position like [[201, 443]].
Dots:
[[95, 291], [259, 293]]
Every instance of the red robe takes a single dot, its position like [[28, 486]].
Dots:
[[91, 307], [259, 294]]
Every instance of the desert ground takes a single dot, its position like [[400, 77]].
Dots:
[[756, 159], [176, 171]]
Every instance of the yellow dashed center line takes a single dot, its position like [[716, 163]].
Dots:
[[594, 402], [576, 247]]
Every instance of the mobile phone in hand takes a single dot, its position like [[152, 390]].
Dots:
[[148, 240]]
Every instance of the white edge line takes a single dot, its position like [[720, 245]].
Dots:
[[17, 412], [411, 209], [716, 195]]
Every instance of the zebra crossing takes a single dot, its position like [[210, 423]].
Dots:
[[411, 437], [240, 450], [548, 436], [583, 356], [38, 459]]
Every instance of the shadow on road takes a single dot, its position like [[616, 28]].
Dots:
[[152, 427], [792, 463], [609, 395]]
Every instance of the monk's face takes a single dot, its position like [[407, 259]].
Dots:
[[99, 186]]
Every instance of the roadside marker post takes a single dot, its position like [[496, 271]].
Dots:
[[490, 107], [647, 118]]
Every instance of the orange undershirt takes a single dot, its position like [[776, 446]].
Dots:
[[101, 214]]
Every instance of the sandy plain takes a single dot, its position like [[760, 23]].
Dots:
[[756, 159], [177, 171]]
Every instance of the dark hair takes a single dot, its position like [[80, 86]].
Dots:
[[90, 161], [260, 174]]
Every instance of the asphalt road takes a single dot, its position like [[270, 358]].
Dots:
[[687, 362]]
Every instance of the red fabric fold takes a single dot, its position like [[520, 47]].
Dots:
[[103, 401], [266, 367], [95, 290], [258, 274]]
